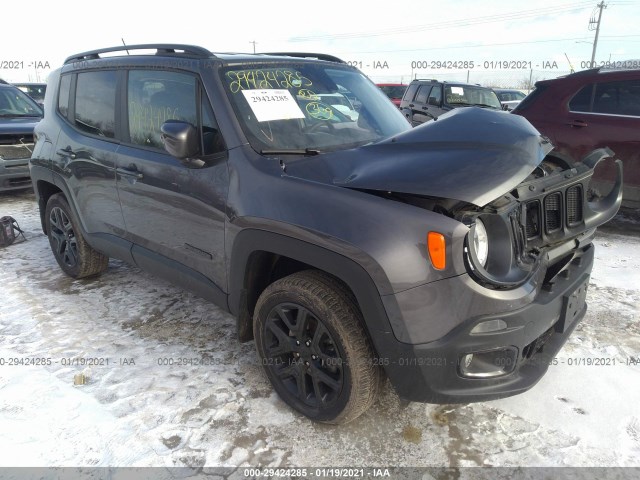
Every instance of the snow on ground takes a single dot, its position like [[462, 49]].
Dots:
[[137, 411]]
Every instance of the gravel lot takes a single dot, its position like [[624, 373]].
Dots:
[[134, 411]]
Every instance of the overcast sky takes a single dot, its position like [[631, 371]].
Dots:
[[388, 35]]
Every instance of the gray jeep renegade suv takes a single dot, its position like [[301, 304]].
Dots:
[[453, 257]]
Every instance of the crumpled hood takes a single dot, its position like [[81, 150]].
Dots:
[[469, 154]]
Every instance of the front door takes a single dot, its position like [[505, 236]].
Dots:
[[173, 210]]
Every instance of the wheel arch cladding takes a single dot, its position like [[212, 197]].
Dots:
[[254, 250]]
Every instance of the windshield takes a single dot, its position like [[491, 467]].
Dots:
[[309, 107], [393, 91], [34, 91], [464, 95], [14, 103]]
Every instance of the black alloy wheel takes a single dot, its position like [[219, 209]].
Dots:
[[311, 340]]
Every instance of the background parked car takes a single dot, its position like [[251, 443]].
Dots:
[[425, 100], [394, 91], [509, 98], [34, 90], [18, 116], [590, 109], [341, 103]]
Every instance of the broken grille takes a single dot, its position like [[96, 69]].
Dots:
[[550, 213], [553, 212], [574, 205]]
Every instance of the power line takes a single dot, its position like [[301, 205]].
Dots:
[[484, 45], [450, 24]]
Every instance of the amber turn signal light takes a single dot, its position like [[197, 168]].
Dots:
[[437, 250]]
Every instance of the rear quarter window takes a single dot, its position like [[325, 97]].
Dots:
[[581, 101], [410, 93], [530, 99], [63, 95]]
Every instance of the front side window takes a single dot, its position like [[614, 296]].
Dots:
[[95, 103], [303, 106], [435, 97], [155, 97]]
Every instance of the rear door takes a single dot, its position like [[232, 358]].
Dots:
[[174, 211], [86, 148], [419, 109], [606, 114], [434, 102]]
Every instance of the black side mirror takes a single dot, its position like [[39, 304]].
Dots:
[[180, 139]]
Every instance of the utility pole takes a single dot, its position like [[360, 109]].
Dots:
[[595, 25], [254, 45]]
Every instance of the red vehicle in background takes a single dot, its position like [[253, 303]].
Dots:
[[591, 109], [394, 91]]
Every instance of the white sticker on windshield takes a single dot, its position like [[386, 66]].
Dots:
[[272, 104], [457, 90]]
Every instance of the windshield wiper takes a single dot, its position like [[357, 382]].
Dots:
[[299, 151], [485, 105]]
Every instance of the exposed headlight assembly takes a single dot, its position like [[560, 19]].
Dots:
[[481, 242], [490, 253]]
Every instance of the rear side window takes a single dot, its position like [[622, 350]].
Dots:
[[423, 94], [618, 98], [95, 103], [63, 95], [613, 98], [155, 97]]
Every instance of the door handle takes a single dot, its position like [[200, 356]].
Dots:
[[125, 172], [67, 152], [425, 108], [578, 124], [411, 105]]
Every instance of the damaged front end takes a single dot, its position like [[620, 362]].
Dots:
[[547, 219]]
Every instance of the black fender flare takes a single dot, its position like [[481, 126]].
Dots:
[[252, 240]]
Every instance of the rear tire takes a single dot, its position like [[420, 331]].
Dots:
[[314, 349], [74, 255]]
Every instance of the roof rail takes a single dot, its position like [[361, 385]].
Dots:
[[319, 56], [584, 72], [425, 80], [161, 49]]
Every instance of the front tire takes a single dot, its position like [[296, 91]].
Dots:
[[74, 255], [313, 347]]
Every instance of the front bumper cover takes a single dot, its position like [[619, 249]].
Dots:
[[431, 372]]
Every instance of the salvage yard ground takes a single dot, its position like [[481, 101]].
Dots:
[[137, 410]]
